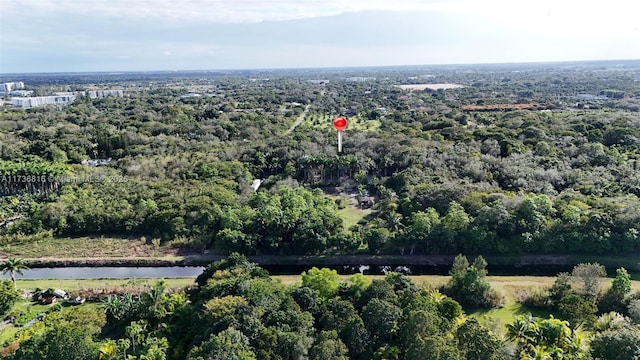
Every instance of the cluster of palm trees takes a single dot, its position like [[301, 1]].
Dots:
[[13, 266]]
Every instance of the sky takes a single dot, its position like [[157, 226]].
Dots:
[[147, 35]]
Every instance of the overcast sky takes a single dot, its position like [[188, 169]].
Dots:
[[113, 35]]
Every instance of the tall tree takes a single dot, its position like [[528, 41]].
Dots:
[[13, 266]]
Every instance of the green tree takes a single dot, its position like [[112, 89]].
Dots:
[[590, 275], [324, 281], [546, 339], [621, 284], [229, 344], [561, 287], [477, 342], [615, 298], [13, 266], [619, 344], [420, 226], [468, 284], [67, 334], [577, 309], [328, 346], [456, 219], [382, 320], [8, 296]]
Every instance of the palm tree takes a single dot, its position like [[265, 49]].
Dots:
[[13, 266]]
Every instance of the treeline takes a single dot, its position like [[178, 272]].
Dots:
[[443, 180], [237, 311]]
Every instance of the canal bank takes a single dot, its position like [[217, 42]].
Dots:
[[630, 261], [192, 265]]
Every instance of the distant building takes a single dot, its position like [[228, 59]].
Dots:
[[360, 78], [95, 94], [36, 101], [8, 87], [21, 93]]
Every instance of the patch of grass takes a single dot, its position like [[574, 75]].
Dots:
[[83, 247], [77, 284], [351, 215], [8, 333]]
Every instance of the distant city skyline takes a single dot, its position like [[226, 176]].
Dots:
[[150, 35]]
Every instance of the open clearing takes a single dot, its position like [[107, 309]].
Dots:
[[429, 86], [351, 214], [85, 246], [101, 284]]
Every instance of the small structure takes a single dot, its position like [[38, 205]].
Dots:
[[255, 185], [76, 301], [50, 296], [367, 202]]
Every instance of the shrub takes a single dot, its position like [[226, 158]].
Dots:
[[535, 298]]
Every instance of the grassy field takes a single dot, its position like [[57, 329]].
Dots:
[[78, 284], [350, 214], [84, 247], [506, 285]]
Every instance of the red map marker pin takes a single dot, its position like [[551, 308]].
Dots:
[[340, 123]]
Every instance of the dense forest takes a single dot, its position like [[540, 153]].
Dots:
[[236, 311], [445, 171], [517, 159]]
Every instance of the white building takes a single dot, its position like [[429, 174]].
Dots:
[[36, 101], [8, 87], [104, 93], [21, 92]]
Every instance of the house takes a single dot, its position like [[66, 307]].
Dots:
[[50, 296]]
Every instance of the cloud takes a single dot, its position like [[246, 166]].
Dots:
[[217, 11], [69, 35]]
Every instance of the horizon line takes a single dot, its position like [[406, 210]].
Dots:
[[346, 67]]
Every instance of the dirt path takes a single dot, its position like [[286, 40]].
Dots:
[[300, 119]]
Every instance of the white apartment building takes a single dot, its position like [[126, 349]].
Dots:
[[35, 101], [8, 87]]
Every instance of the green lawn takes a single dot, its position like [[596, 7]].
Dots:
[[8, 333], [350, 214]]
